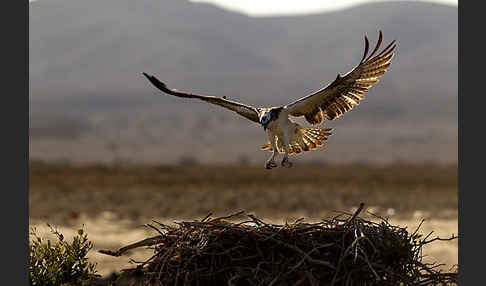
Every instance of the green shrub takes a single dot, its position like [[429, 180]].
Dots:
[[60, 263]]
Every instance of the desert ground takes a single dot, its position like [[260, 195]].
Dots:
[[113, 203]]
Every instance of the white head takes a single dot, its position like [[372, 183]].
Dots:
[[265, 118]]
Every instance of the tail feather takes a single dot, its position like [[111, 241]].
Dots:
[[305, 139], [267, 146]]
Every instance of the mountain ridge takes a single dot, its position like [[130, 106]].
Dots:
[[86, 65]]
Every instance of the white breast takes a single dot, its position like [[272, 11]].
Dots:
[[281, 127]]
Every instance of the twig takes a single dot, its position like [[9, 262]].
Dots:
[[356, 213], [146, 242]]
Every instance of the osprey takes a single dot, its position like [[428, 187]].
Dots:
[[330, 102]]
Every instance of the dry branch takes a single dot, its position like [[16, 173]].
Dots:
[[345, 250]]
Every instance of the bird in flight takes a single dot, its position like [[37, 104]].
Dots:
[[330, 102]]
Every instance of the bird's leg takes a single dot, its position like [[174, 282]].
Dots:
[[285, 161], [271, 161]]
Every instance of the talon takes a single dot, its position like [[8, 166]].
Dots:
[[270, 165], [287, 163]]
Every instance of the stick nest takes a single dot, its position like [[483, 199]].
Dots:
[[345, 250]]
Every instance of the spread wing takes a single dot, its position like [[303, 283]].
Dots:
[[247, 111], [346, 91]]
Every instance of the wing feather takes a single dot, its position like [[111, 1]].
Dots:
[[247, 111], [346, 91]]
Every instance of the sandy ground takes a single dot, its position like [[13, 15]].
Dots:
[[107, 231], [113, 202]]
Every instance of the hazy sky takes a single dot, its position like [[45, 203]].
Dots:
[[292, 7], [288, 7]]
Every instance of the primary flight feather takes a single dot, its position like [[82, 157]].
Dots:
[[330, 102]]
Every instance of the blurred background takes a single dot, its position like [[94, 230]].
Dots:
[[90, 103], [109, 151]]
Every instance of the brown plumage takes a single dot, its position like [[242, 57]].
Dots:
[[347, 91], [304, 139], [330, 103], [247, 111]]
